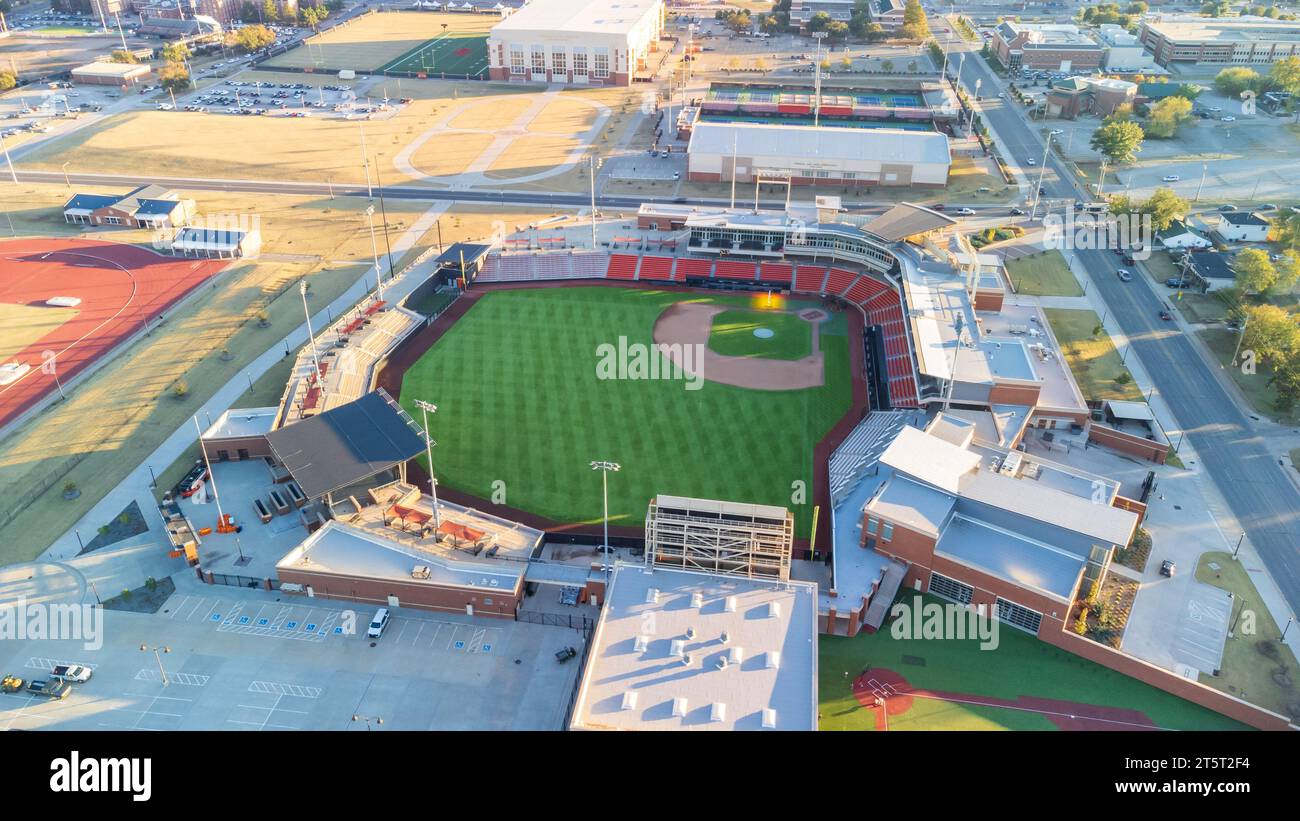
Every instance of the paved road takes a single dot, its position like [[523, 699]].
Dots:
[[1262, 498]]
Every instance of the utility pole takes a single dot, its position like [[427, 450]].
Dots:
[[1038, 195], [1205, 168]]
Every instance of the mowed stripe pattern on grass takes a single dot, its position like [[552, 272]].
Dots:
[[519, 401]]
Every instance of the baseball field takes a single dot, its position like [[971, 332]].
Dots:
[[533, 384], [876, 681]]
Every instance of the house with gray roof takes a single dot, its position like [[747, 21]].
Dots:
[[149, 206]]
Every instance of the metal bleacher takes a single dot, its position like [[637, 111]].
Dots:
[[859, 452]]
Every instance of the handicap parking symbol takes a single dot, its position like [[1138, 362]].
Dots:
[[338, 631], [310, 628], [263, 622], [487, 648], [460, 645], [216, 617], [291, 625], [243, 619]]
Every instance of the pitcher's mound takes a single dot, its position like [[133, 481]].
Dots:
[[690, 323]]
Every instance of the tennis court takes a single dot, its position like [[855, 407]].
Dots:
[[398, 41]]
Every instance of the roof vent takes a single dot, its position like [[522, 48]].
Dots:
[[697, 600], [736, 655], [725, 638], [718, 712], [679, 707], [690, 632], [722, 662], [730, 604], [769, 719], [677, 648], [652, 595], [686, 660], [773, 660], [641, 643], [421, 571], [629, 700]]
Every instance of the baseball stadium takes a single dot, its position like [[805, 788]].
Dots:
[[753, 369]]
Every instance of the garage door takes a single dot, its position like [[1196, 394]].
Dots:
[[952, 589], [1013, 614]]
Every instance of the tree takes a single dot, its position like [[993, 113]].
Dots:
[[887, 66], [270, 14], [1272, 334], [174, 77], [122, 56], [915, 26], [819, 21], [1288, 272], [1285, 76], [837, 30], [1188, 91], [176, 52], [1118, 141], [7, 80], [1286, 229], [1255, 273], [1137, 8], [250, 38], [1216, 8], [1122, 113], [1232, 81], [874, 32], [1164, 206], [1165, 117]]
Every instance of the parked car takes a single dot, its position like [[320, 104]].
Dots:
[[1166, 315], [1170, 178], [1168, 568], [1124, 275], [1175, 282], [966, 212], [938, 206], [378, 624], [74, 673], [50, 688], [1229, 119], [1031, 161]]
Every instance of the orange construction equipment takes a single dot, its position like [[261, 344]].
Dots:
[[226, 524]]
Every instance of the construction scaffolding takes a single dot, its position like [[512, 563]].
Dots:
[[728, 538]]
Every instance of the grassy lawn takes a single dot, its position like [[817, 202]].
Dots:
[[1254, 386], [1020, 666], [519, 400], [1093, 360], [733, 335], [1045, 274], [1247, 673]]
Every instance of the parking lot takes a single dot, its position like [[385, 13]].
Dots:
[[238, 659], [253, 96]]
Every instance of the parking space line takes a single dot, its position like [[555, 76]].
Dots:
[[47, 664]]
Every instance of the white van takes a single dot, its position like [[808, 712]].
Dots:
[[378, 624]]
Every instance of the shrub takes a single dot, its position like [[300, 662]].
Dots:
[[180, 389], [151, 583], [69, 487], [1081, 623], [126, 594]]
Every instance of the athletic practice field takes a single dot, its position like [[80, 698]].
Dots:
[[952, 684], [432, 42], [120, 288], [533, 384]]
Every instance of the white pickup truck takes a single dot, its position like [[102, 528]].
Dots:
[[74, 673]]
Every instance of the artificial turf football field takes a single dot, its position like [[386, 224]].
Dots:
[[519, 401], [1020, 669]]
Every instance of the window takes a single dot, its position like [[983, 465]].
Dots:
[[1017, 616], [886, 531], [601, 64], [113, 220], [516, 60], [539, 60], [872, 526], [559, 60], [951, 589], [579, 61]]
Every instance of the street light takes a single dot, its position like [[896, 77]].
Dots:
[[157, 654], [66, 181], [425, 409], [315, 356], [367, 720], [1038, 193], [605, 467]]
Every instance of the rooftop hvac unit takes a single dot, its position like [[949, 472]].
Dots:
[[730, 605], [652, 595], [1011, 464], [641, 643], [697, 600], [629, 700], [722, 663], [677, 648], [736, 655], [679, 707], [773, 661], [774, 610], [769, 719], [718, 712], [421, 571]]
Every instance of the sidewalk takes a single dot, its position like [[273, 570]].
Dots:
[[136, 486]]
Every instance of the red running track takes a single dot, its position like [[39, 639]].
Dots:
[[120, 287]]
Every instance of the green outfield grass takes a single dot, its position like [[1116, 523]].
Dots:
[[733, 335], [1043, 275], [519, 401], [1022, 665]]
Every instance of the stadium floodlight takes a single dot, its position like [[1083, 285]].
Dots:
[[425, 409], [605, 467], [315, 356], [374, 250]]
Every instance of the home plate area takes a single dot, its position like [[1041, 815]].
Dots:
[[879, 684]]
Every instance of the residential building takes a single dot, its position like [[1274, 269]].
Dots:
[[1180, 235], [1242, 226]]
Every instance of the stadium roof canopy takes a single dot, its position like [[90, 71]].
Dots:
[[347, 444], [906, 220]]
